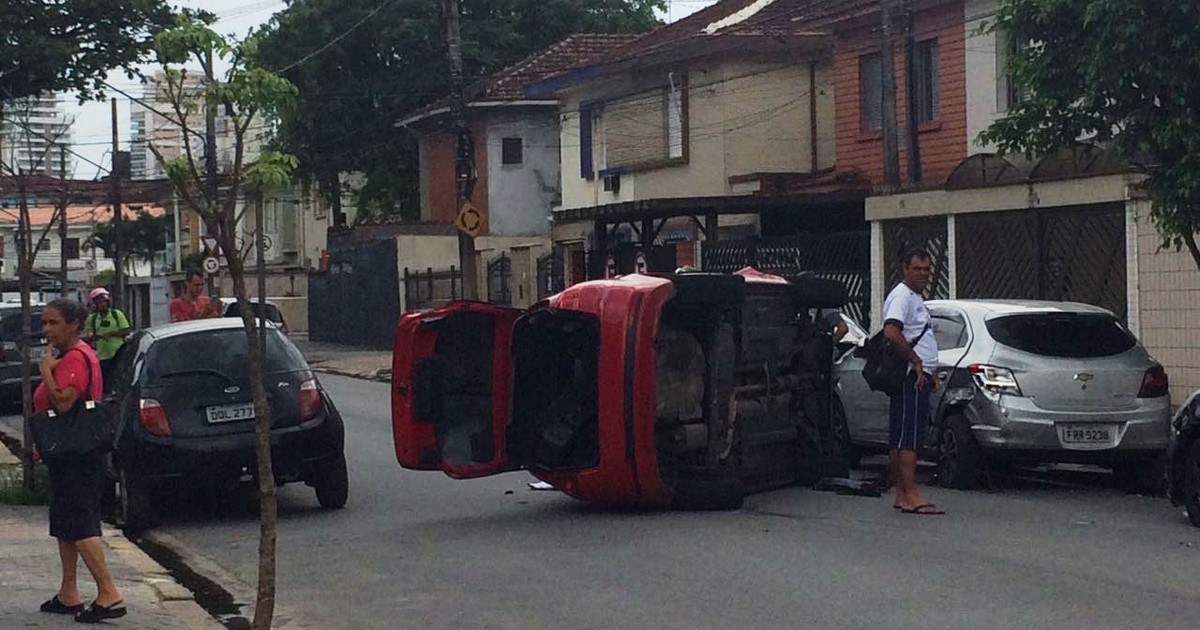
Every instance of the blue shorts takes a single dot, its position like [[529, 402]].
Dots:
[[908, 416]]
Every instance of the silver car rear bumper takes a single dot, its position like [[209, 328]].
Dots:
[[1017, 423]]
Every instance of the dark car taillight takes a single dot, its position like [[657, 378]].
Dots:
[[153, 418], [1155, 383], [310, 400]]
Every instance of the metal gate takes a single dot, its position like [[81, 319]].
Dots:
[[927, 234], [841, 256], [356, 300], [550, 275], [499, 273], [1075, 254]]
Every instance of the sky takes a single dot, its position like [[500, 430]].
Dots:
[[92, 131]]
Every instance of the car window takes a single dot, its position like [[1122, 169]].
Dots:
[[219, 352], [10, 325], [272, 313], [122, 372], [950, 331], [1068, 335]]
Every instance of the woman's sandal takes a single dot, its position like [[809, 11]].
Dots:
[[55, 606], [97, 613]]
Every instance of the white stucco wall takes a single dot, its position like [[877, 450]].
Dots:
[[982, 72], [520, 196]]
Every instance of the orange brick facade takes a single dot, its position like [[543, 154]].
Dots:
[[438, 166], [943, 142]]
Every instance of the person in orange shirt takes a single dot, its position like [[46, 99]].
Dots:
[[193, 304]]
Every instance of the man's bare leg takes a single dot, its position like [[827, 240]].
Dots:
[[894, 475], [68, 590], [93, 556]]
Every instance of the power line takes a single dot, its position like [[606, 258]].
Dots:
[[335, 39]]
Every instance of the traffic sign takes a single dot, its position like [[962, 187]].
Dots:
[[210, 245], [211, 264], [469, 219]]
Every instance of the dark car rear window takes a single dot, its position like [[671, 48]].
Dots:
[[219, 351], [10, 325], [1068, 335], [235, 310]]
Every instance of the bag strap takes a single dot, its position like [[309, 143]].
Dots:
[[88, 364], [913, 343]]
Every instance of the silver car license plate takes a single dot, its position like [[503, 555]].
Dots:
[[1085, 434], [230, 413]]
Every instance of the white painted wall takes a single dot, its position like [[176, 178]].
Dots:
[[982, 72], [520, 196]]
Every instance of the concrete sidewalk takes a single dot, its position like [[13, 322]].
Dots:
[[352, 361], [30, 572]]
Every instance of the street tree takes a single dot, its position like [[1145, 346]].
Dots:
[[251, 97], [21, 160], [1120, 73], [73, 44], [141, 239], [361, 65]]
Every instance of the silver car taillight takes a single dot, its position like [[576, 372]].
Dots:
[[994, 380]]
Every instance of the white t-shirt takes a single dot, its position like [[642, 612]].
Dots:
[[905, 306]]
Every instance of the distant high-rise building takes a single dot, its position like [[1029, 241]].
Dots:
[[155, 121], [36, 136]]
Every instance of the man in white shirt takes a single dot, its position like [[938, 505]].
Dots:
[[907, 326]]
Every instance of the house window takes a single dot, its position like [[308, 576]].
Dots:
[[647, 129], [870, 81], [44, 245], [925, 61], [1007, 94], [511, 151], [71, 248]]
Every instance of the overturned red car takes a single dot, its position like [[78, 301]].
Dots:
[[684, 390]]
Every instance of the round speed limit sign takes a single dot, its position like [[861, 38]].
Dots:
[[212, 265]]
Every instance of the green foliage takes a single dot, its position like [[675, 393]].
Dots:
[[72, 44], [354, 91], [13, 490], [106, 278], [141, 238], [1121, 73]]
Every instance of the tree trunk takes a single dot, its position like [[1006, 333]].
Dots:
[[264, 607], [25, 275], [1189, 239]]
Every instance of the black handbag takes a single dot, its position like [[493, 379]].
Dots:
[[885, 369], [84, 428]]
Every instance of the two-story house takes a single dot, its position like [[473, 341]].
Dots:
[[1067, 226], [516, 152], [702, 142]]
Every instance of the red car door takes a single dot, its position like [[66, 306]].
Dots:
[[451, 382]]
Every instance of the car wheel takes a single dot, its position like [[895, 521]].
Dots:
[[1190, 485], [960, 460], [1147, 477], [135, 511], [841, 435], [332, 483]]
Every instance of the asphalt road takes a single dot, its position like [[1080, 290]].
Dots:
[[419, 550]]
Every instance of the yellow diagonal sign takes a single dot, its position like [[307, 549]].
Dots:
[[469, 219]]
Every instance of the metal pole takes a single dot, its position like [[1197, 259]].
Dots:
[[261, 271], [464, 157], [118, 299], [65, 200], [178, 245]]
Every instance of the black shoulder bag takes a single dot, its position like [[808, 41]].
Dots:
[[84, 428], [885, 369]]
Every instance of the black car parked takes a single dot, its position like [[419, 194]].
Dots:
[[1183, 472], [186, 416], [10, 350]]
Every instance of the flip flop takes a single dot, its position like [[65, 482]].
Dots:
[[55, 606], [97, 613], [930, 509]]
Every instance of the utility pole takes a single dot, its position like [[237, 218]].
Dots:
[[210, 153], [887, 62], [115, 174], [912, 143], [464, 155], [64, 201]]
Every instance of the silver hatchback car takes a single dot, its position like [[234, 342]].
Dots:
[[1025, 381]]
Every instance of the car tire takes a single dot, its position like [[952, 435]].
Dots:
[[841, 434], [960, 459], [1189, 485], [135, 509], [1146, 477], [332, 483]]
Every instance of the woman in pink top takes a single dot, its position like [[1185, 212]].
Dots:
[[72, 371]]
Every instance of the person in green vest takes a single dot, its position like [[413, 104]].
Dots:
[[105, 329]]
